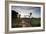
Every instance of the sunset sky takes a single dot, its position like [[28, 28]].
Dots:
[[26, 10]]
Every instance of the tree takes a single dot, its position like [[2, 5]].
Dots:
[[30, 15], [14, 18]]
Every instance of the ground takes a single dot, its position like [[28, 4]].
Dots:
[[27, 22]]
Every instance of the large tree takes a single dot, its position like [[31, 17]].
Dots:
[[14, 18]]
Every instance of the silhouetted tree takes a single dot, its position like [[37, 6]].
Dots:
[[30, 15], [14, 18]]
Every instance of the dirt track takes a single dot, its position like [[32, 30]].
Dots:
[[25, 23]]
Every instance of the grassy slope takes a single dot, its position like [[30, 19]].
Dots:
[[35, 22]]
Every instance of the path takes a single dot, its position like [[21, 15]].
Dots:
[[25, 24]]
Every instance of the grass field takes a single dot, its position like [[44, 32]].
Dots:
[[35, 22]]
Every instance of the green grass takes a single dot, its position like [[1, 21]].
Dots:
[[35, 22]]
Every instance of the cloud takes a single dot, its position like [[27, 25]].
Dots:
[[26, 10]]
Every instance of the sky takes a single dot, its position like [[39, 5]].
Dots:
[[26, 10]]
